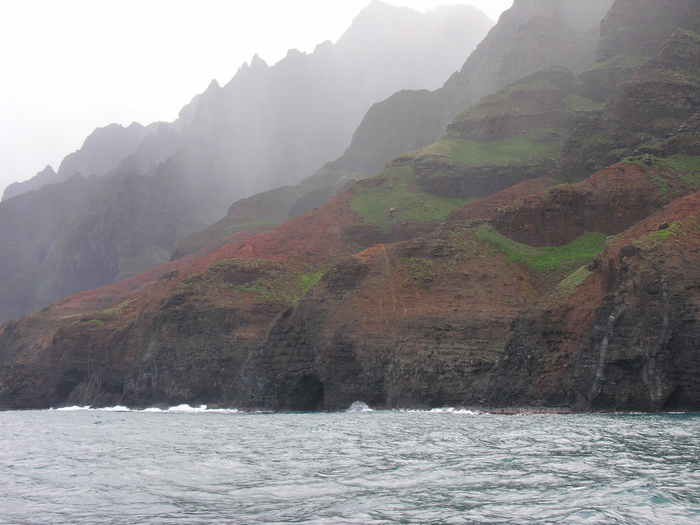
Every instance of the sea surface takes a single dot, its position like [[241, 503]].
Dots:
[[197, 466]]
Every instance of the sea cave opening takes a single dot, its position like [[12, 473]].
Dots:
[[673, 401], [307, 395]]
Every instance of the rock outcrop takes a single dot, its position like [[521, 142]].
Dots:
[[644, 110]]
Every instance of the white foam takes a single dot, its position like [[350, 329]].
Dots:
[[453, 410], [359, 406], [117, 408], [200, 409], [180, 409], [443, 410]]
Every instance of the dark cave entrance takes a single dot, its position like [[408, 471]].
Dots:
[[67, 384], [673, 402], [307, 395]]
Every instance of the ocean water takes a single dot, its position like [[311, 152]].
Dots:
[[194, 466]]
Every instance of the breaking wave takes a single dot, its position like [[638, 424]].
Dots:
[[179, 409], [359, 406]]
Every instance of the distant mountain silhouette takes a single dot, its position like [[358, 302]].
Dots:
[[103, 151], [532, 35], [144, 188]]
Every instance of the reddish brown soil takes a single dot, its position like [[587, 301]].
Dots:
[[608, 202], [487, 207]]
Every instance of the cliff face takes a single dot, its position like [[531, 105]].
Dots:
[[456, 315], [140, 342], [642, 111], [446, 319], [626, 339], [626, 29], [388, 327], [565, 212], [505, 138], [420, 286], [644, 341], [28, 225]]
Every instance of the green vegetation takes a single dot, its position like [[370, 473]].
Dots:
[[654, 239], [257, 280], [89, 323], [561, 259], [418, 269], [619, 61], [514, 150], [578, 103], [687, 168], [664, 187], [570, 285], [595, 138], [117, 310], [397, 199], [281, 287], [518, 98]]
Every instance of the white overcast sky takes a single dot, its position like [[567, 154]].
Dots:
[[69, 66]]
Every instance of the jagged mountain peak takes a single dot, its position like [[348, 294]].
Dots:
[[258, 63], [267, 127]]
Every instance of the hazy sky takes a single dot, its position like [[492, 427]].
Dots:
[[69, 66]]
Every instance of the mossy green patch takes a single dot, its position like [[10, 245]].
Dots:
[[665, 189], [595, 138], [658, 237], [619, 61], [524, 97], [283, 287], [117, 310], [397, 199], [570, 284], [577, 103], [91, 323], [561, 259], [686, 166], [417, 269], [254, 280], [523, 148]]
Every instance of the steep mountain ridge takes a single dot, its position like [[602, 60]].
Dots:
[[531, 35], [103, 151], [644, 110], [313, 103], [267, 125]]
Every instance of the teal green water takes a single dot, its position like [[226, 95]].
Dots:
[[105, 467]]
